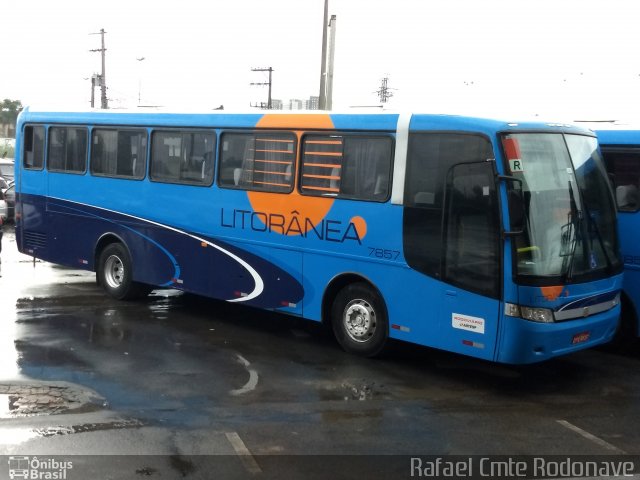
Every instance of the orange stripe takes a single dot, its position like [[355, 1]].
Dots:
[[324, 142], [327, 177], [326, 165], [322, 189], [281, 162], [275, 184], [273, 140], [270, 173], [275, 151], [326, 154]]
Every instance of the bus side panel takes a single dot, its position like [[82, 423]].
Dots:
[[629, 232], [168, 256], [421, 310], [289, 299]]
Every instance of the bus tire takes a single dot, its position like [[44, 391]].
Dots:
[[115, 274], [359, 320]]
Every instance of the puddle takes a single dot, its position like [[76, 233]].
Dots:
[[8, 405], [87, 427]]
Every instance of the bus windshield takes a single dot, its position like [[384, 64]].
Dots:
[[564, 207]]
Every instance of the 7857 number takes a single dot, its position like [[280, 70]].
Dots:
[[384, 253]]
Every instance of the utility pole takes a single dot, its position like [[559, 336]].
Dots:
[[94, 77], [102, 77], [384, 92], [140, 60], [332, 46], [322, 101], [270, 70]]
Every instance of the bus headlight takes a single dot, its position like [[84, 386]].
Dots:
[[542, 315]]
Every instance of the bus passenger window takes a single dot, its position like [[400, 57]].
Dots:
[[67, 149], [33, 151], [624, 164], [119, 153], [354, 167], [367, 168], [257, 161], [182, 157]]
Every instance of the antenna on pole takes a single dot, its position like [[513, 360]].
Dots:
[[384, 92]]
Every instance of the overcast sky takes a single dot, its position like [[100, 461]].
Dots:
[[559, 59]]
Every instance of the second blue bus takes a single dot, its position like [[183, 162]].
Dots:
[[620, 146]]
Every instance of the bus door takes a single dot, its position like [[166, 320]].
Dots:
[[471, 260]]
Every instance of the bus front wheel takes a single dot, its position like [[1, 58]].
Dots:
[[115, 273], [359, 320]]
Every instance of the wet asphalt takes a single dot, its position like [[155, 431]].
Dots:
[[178, 386]]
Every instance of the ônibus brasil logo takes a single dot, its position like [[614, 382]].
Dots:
[[38, 468]]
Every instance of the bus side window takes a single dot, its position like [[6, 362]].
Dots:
[[624, 166], [33, 152], [261, 161], [184, 157], [627, 197], [349, 166], [368, 168], [67, 149]]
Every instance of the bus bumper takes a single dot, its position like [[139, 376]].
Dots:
[[524, 341]]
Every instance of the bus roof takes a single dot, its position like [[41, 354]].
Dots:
[[307, 119], [619, 135]]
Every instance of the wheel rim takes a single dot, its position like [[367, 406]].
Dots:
[[359, 320], [114, 271]]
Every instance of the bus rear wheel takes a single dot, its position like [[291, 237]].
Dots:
[[115, 274], [359, 320]]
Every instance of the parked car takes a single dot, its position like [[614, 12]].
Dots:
[[10, 200], [3, 184], [4, 213], [6, 169]]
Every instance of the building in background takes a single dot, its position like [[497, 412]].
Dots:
[[312, 103]]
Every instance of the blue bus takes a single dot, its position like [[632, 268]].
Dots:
[[490, 239], [620, 146]]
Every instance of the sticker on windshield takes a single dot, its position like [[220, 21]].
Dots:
[[516, 165], [466, 322]]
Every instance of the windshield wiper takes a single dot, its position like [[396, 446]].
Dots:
[[570, 236], [594, 225]]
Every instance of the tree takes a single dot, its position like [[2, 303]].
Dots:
[[9, 110]]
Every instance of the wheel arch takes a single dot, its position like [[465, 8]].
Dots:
[[339, 282], [629, 314], [105, 240]]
